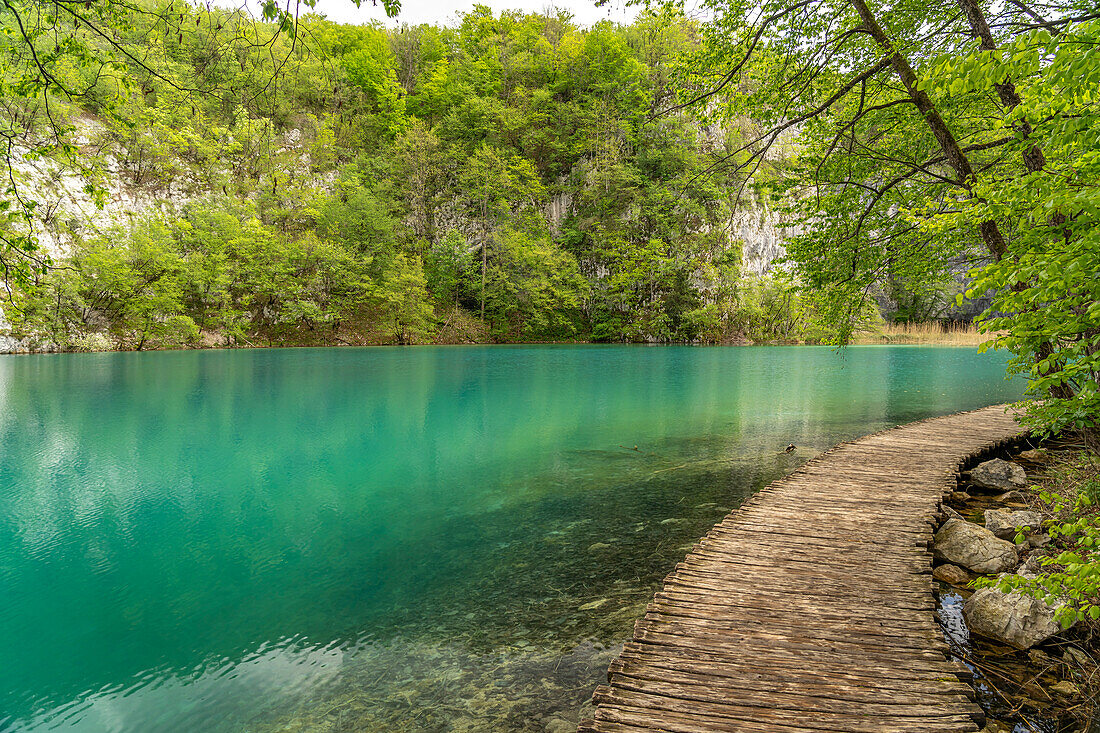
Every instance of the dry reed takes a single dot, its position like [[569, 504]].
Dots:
[[932, 332]]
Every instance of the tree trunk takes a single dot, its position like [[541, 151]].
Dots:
[[1034, 159], [990, 232]]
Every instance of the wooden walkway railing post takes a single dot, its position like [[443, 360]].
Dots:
[[811, 607]]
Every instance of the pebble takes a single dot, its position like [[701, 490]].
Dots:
[[1035, 455], [1065, 688], [1075, 655], [959, 497], [951, 574], [1041, 658]]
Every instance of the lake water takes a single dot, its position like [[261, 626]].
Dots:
[[391, 539]]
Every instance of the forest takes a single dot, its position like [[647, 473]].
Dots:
[[508, 179]]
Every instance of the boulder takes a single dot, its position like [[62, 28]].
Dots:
[[951, 574], [998, 475], [1004, 522], [1010, 618], [975, 548]]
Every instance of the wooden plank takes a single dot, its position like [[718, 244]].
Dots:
[[810, 608]]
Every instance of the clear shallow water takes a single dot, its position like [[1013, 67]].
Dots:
[[449, 538]]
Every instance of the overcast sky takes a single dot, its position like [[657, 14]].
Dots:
[[413, 12]]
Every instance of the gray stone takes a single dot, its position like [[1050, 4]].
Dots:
[[1074, 655], [1030, 569], [1038, 539], [998, 475], [950, 513], [1004, 523], [1010, 618], [973, 547], [951, 574]]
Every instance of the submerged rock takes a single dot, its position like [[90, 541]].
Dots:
[[1013, 618], [998, 475], [557, 725], [1004, 523], [973, 547], [951, 574]]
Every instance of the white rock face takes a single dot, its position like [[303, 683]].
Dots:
[[974, 548], [761, 236], [1010, 618]]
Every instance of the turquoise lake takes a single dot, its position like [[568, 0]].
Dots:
[[391, 539]]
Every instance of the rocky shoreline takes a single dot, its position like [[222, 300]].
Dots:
[[1029, 673]]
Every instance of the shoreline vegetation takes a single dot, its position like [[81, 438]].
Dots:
[[466, 331]]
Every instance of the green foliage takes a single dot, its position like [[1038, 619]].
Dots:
[[1046, 290], [346, 181]]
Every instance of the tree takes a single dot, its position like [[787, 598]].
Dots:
[[494, 185], [919, 130]]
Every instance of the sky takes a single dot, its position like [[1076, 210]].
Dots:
[[443, 12]]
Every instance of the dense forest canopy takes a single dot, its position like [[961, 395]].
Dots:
[[510, 178]]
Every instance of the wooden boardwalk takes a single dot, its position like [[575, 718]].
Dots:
[[810, 608]]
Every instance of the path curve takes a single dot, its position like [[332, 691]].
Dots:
[[810, 608]]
